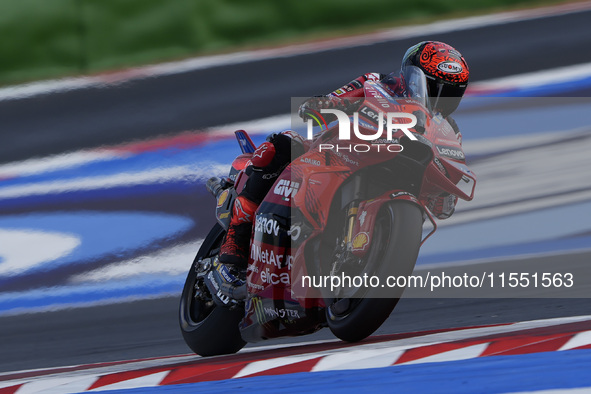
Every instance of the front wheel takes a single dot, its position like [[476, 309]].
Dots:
[[208, 329], [394, 250]]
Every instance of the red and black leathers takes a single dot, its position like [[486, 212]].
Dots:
[[267, 162]]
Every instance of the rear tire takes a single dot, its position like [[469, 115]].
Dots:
[[397, 236], [208, 329]]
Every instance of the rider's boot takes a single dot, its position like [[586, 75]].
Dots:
[[236, 245]]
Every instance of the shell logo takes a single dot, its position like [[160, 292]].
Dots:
[[360, 241], [222, 198]]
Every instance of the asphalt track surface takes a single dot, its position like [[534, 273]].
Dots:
[[140, 109], [149, 328]]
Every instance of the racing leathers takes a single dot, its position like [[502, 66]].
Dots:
[[267, 162]]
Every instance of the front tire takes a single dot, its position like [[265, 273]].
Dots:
[[397, 238], [208, 329]]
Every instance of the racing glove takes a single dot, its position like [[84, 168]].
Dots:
[[313, 105]]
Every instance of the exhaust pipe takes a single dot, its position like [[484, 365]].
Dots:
[[215, 186]]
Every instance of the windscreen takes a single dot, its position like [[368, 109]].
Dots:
[[415, 84]]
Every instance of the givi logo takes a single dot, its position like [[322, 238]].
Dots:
[[286, 188]]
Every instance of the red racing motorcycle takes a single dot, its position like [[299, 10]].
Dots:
[[338, 222]]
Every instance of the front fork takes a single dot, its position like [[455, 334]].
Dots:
[[350, 223], [351, 199]]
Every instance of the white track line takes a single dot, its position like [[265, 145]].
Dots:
[[581, 339], [533, 79], [359, 359], [464, 353]]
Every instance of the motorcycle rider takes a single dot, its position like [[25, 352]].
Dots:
[[447, 78]]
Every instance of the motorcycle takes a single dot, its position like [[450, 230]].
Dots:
[[338, 211]]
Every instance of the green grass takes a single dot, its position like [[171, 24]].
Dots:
[[54, 38]]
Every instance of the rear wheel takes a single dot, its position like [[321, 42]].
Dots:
[[355, 313], [208, 329]]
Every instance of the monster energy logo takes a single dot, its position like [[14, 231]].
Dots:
[[259, 310]]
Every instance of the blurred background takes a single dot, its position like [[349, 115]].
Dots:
[[114, 112], [71, 37]]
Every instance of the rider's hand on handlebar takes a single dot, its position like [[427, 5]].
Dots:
[[313, 105]]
